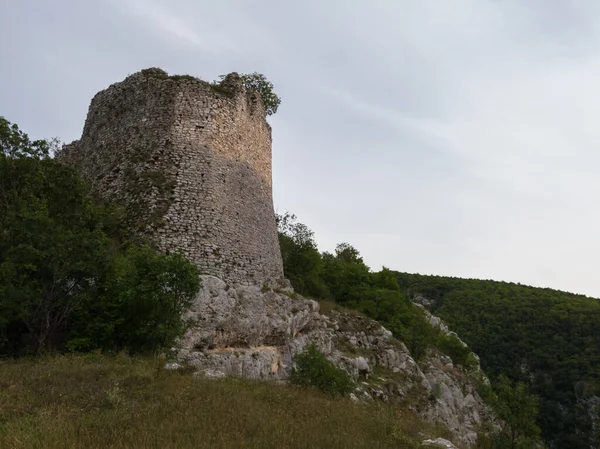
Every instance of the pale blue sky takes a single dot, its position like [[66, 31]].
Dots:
[[441, 137]]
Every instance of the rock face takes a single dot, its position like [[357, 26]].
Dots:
[[191, 163], [244, 330], [256, 332], [439, 443]]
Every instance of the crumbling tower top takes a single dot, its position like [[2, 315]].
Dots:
[[191, 163]]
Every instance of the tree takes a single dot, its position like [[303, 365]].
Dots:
[[298, 232], [257, 82], [66, 273], [546, 338], [52, 249], [346, 252], [518, 410], [140, 305], [302, 262]]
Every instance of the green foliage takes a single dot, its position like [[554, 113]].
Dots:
[[458, 352], [184, 78], [51, 248], [345, 278], [140, 307], [348, 254], [62, 263], [313, 369], [257, 82], [544, 338], [155, 72], [518, 411], [302, 262]]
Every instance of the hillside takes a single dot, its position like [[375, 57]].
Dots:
[[546, 338], [96, 401], [75, 279]]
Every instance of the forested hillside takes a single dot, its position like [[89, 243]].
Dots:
[[546, 338]]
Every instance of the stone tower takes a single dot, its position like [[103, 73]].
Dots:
[[191, 163]]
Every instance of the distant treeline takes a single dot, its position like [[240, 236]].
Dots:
[[546, 338]]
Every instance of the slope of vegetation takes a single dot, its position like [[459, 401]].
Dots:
[[97, 401], [344, 279], [548, 339], [73, 279]]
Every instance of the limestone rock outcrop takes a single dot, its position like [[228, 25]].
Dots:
[[255, 332], [439, 443]]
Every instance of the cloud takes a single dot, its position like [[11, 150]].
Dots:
[[172, 24], [207, 26]]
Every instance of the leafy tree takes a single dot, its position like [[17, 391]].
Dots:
[[257, 82], [298, 232], [302, 262], [347, 253], [141, 304], [386, 279], [51, 247], [518, 411], [344, 277], [347, 281], [313, 369], [547, 339]]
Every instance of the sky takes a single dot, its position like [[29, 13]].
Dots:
[[456, 138]]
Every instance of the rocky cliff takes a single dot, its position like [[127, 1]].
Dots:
[[255, 332]]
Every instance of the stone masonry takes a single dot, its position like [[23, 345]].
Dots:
[[191, 163]]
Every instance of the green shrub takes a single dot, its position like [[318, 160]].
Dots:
[[313, 368], [257, 82], [459, 353], [141, 305]]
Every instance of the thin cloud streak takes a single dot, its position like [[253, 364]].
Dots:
[[167, 22]]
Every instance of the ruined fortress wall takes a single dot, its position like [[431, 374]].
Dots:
[[191, 163]]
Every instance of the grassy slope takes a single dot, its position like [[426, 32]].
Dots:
[[95, 401]]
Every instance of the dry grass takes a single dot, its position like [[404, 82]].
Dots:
[[96, 401]]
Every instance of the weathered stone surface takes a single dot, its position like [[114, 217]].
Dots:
[[256, 332], [191, 162], [433, 388], [244, 316], [439, 443]]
